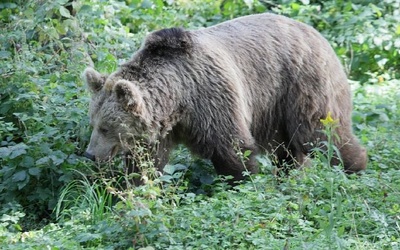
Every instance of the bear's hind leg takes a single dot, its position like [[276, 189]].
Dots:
[[353, 155]]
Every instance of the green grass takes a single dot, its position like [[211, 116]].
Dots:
[[52, 198]]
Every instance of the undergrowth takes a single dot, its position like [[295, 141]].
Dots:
[[52, 198]]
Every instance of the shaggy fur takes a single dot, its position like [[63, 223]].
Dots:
[[260, 82]]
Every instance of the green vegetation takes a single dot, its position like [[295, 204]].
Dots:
[[52, 198]]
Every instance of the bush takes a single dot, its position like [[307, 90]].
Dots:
[[44, 130]]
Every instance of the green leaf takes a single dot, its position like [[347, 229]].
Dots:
[[64, 12], [246, 154], [18, 150], [61, 28], [43, 160], [5, 54], [22, 184], [8, 5], [58, 157], [85, 9], [19, 176], [28, 161], [166, 178], [147, 4], [4, 152], [34, 171], [179, 167], [17, 227], [169, 169], [85, 237], [398, 30], [295, 6]]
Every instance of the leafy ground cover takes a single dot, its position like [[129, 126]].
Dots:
[[51, 198]]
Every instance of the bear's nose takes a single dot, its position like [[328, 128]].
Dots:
[[89, 156]]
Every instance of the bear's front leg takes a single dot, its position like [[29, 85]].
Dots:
[[155, 155], [234, 160]]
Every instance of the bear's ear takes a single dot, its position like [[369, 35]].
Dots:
[[129, 96], [94, 79]]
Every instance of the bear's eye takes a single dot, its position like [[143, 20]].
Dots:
[[103, 130]]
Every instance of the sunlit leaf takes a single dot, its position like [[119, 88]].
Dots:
[[64, 12]]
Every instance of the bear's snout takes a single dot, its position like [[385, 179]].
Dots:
[[89, 156]]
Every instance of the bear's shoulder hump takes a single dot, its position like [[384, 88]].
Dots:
[[172, 39]]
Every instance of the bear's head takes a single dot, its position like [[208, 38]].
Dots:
[[118, 114]]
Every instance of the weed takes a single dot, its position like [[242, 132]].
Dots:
[[326, 150], [44, 130]]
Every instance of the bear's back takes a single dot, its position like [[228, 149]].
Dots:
[[277, 62], [279, 43]]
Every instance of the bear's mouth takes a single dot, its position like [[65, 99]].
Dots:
[[114, 151]]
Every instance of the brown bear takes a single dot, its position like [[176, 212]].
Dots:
[[260, 83]]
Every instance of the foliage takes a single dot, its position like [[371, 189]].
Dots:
[[365, 34], [44, 130]]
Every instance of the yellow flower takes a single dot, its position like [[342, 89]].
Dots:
[[329, 121]]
